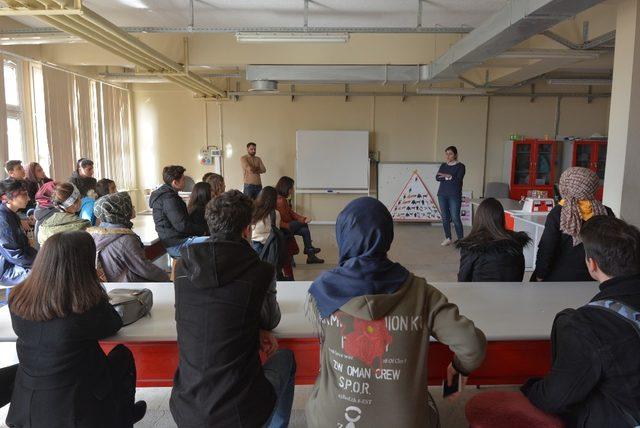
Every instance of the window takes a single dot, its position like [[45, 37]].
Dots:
[[13, 99], [40, 119]]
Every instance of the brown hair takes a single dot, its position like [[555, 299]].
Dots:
[[31, 172], [216, 181], [62, 192], [63, 280], [265, 204], [284, 185]]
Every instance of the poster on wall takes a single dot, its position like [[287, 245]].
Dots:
[[466, 211], [415, 202]]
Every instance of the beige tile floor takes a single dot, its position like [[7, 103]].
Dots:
[[418, 248]]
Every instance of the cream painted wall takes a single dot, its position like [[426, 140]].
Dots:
[[170, 128]]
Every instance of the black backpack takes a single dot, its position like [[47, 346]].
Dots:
[[274, 251]]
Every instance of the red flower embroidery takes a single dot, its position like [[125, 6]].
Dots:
[[368, 340]]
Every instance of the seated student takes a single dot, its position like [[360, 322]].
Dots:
[[104, 187], [293, 222], [560, 252], [15, 170], [264, 206], [595, 377], [491, 253], [86, 205], [44, 207], [36, 178], [120, 252], [64, 218], [170, 214], [376, 317], [82, 177], [221, 294], [16, 256], [216, 181], [200, 197], [59, 314]]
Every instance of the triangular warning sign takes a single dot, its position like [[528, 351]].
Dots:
[[415, 202]]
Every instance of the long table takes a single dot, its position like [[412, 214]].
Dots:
[[515, 317], [145, 228]]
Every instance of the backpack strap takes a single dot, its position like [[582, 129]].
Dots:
[[632, 317]]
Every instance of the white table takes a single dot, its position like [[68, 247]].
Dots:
[[145, 228], [515, 317]]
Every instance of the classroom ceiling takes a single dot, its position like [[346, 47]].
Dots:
[[235, 14]]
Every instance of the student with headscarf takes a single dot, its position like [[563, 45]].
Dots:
[[119, 251], [375, 319], [560, 251], [66, 201]]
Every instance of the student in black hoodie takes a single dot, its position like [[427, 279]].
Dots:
[[82, 177], [595, 377], [225, 307], [175, 229], [491, 253]]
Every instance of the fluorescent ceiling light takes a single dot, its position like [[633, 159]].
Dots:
[[30, 39], [259, 37], [451, 91], [580, 82], [131, 78], [136, 4]]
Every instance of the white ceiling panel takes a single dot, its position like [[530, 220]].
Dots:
[[290, 13]]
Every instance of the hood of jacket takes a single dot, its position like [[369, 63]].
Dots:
[[162, 192], [376, 306], [61, 218], [218, 262], [41, 212], [518, 241], [103, 236]]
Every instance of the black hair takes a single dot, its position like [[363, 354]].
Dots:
[[488, 225], [453, 149], [251, 143], [200, 196], [10, 187], [229, 213], [613, 244], [172, 172], [284, 185], [83, 162], [10, 165], [102, 187]]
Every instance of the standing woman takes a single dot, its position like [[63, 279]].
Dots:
[[59, 314], [35, 179], [450, 175], [560, 252], [200, 197], [82, 177]]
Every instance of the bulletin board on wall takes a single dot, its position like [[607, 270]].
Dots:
[[409, 190], [332, 161]]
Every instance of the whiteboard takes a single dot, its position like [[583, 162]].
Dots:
[[332, 160]]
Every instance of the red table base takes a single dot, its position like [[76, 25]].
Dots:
[[506, 363]]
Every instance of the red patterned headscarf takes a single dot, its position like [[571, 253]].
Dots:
[[578, 184]]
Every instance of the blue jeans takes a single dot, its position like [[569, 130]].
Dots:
[[450, 209], [302, 229], [257, 246], [175, 250], [280, 371], [252, 190]]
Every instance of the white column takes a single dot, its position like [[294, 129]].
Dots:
[[622, 177]]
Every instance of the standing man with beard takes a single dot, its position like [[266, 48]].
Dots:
[[252, 167]]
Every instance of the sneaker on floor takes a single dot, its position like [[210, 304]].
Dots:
[[313, 259], [446, 242], [139, 410]]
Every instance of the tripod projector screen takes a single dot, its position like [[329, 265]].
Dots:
[[332, 161]]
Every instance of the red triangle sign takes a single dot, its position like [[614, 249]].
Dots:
[[415, 202]]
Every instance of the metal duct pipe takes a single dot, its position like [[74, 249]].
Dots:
[[514, 23], [405, 94], [95, 29]]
